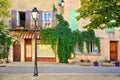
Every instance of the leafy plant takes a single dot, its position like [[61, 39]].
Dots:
[[63, 40], [101, 13], [85, 60], [5, 42], [60, 38]]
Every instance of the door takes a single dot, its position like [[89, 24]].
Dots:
[[16, 51], [113, 50], [28, 50]]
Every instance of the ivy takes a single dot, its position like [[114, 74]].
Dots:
[[60, 38], [63, 40]]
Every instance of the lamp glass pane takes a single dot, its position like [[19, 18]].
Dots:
[[34, 15], [62, 4]]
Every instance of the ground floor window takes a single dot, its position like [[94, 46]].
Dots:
[[93, 48], [45, 50], [77, 49]]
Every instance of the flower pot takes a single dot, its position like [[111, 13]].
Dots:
[[70, 61], [95, 63], [117, 64]]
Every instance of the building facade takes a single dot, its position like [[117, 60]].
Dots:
[[22, 30]]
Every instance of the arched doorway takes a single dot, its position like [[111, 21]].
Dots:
[[16, 51]]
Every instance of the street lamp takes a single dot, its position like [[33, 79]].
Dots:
[[62, 4], [35, 16]]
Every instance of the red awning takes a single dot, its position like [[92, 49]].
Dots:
[[29, 36]]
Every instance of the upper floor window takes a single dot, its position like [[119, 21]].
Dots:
[[21, 19], [47, 19]]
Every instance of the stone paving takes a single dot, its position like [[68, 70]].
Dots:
[[60, 77], [58, 71]]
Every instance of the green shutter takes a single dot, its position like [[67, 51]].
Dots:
[[73, 20], [110, 29]]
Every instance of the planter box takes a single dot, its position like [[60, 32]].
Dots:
[[2, 61], [106, 64], [85, 63]]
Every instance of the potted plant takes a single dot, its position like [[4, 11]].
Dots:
[[85, 62], [96, 63], [106, 63], [117, 63]]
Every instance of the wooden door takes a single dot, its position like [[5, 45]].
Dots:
[[113, 50], [28, 50], [16, 51]]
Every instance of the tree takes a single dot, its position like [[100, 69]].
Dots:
[[5, 42], [4, 5], [4, 13], [5, 39], [102, 13]]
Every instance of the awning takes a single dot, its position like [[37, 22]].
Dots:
[[29, 36]]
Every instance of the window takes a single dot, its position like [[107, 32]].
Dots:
[[21, 19], [77, 50], [47, 19], [93, 48]]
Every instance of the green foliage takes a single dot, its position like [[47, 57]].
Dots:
[[78, 39], [49, 35], [2, 26], [5, 42], [87, 37], [64, 40], [54, 7], [65, 45], [60, 36], [97, 43], [102, 13], [4, 5], [5, 39]]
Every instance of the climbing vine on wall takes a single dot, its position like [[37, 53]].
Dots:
[[63, 40], [60, 36]]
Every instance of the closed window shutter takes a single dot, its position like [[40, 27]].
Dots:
[[27, 19], [54, 20], [14, 19], [73, 20], [40, 20]]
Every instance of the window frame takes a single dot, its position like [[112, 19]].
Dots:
[[93, 48], [48, 20]]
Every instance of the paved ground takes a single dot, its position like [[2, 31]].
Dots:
[[18, 68], [58, 71], [60, 77]]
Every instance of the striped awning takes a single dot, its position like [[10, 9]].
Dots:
[[29, 36]]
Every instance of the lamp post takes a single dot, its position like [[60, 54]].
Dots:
[[35, 16], [62, 4]]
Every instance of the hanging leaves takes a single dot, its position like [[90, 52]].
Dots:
[[65, 40]]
